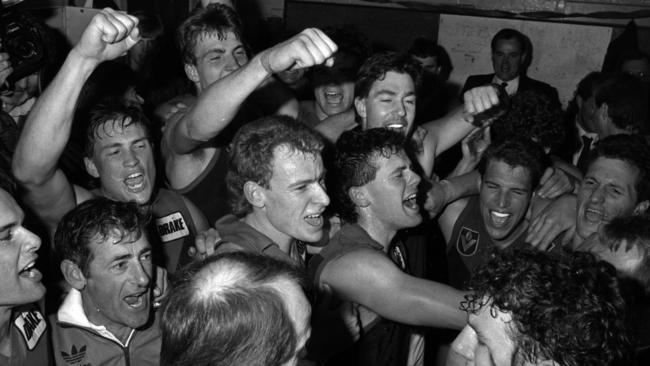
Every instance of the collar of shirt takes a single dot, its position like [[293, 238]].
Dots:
[[512, 86], [72, 312], [582, 132]]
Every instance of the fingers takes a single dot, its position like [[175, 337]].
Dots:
[[548, 173], [161, 287], [117, 25], [205, 244], [480, 99], [554, 183], [310, 47], [5, 67]]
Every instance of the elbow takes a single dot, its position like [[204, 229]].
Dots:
[[25, 176]]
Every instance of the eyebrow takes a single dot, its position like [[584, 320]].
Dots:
[[8, 226], [304, 181], [220, 51]]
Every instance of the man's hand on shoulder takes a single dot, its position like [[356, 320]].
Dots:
[[109, 35]]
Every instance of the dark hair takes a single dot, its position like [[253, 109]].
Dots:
[[565, 307], [376, 67], [95, 221], [635, 229], [633, 150], [109, 79], [251, 156], [518, 152], [534, 116], [351, 43], [214, 19], [632, 55], [227, 310], [626, 99], [587, 85], [508, 33], [355, 165], [110, 114], [424, 47]]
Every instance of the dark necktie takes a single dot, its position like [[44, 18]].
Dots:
[[584, 153]]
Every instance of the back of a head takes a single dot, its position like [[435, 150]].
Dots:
[[229, 310], [627, 101], [251, 153], [517, 151], [351, 41], [354, 164], [376, 67], [531, 115], [214, 19], [634, 150], [565, 307]]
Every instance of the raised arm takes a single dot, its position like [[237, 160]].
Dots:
[[219, 103], [445, 132], [369, 278], [47, 129]]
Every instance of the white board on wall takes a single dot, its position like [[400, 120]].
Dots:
[[562, 53]]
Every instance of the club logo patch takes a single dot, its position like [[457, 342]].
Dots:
[[172, 227], [467, 243], [32, 326]]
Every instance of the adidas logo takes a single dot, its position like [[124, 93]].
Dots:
[[75, 356]]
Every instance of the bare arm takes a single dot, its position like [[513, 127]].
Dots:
[[333, 127], [449, 216], [445, 132], [47, 129], [220, 102], [449, 190], [369, 278]]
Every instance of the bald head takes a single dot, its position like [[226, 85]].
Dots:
[[236, 308]]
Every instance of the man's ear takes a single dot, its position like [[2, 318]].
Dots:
[[641, 207], [254, 194], [360, 106], [73, 274], [359, 197], [91, 168], [604, 111], [192, 73]]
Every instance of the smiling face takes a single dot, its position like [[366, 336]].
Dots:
[[390, 103], [507, 59], [123, 161], [215, 58], [20, 282], [504, 198], [392, 195], [294, 202], [118, 285], [608, 190]]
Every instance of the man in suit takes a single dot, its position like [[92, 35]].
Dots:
[[510, 57]]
